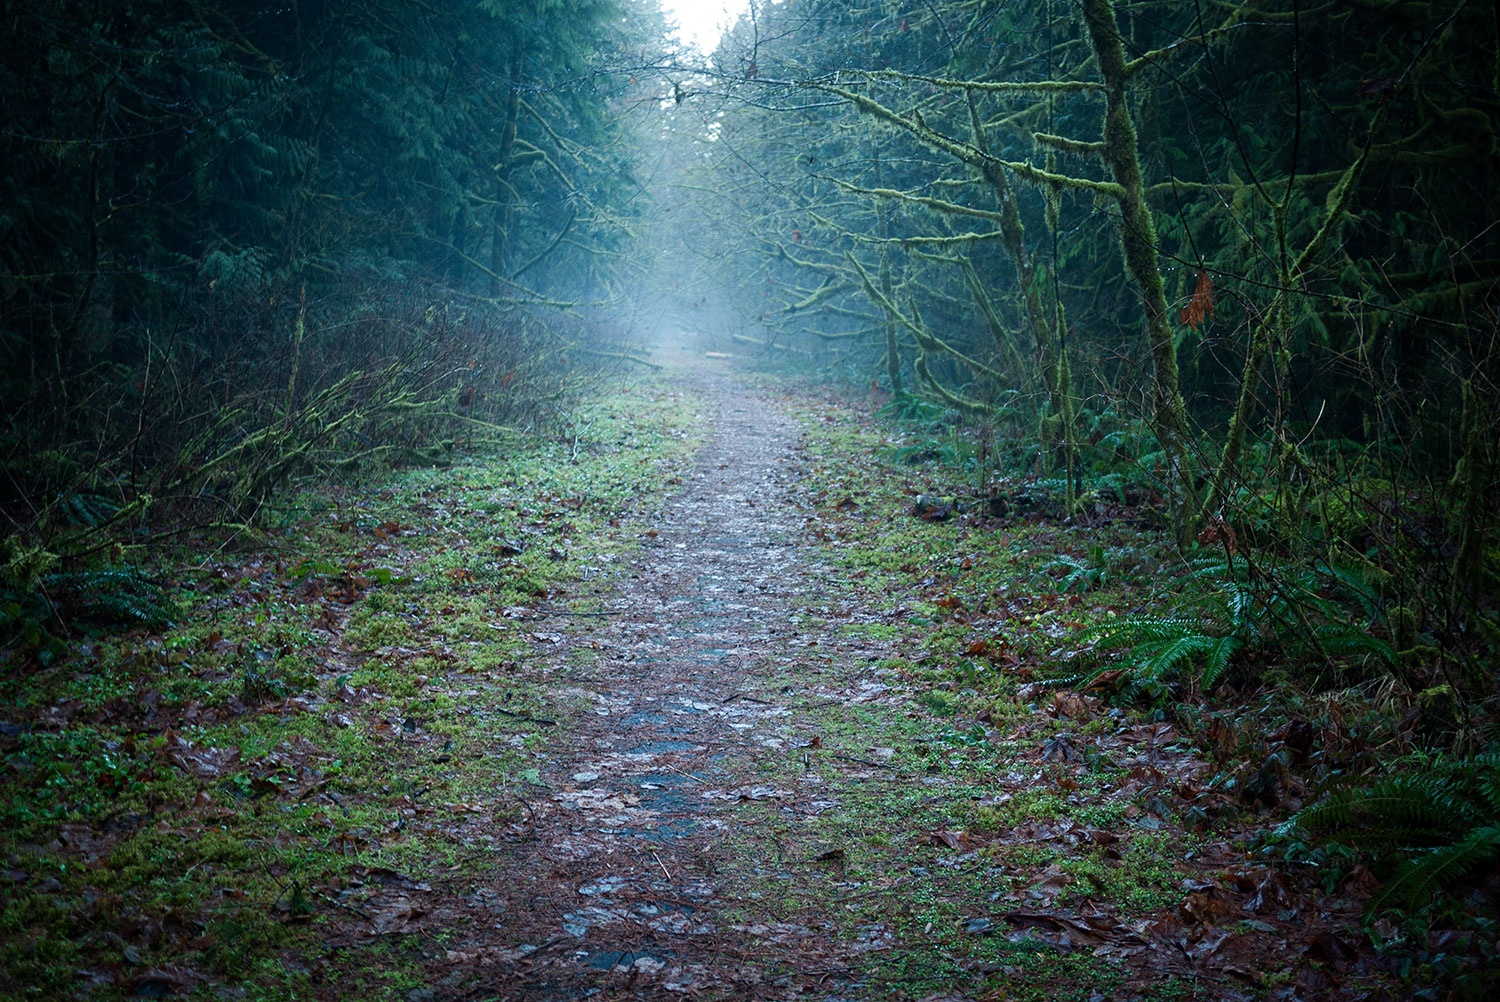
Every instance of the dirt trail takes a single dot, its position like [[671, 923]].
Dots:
[[620, 882]]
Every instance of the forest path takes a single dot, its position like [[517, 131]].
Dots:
[[635, 872]]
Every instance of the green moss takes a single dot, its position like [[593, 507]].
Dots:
[[255, 634], [369, 630]]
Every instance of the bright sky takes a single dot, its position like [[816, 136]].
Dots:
[[703, 21]]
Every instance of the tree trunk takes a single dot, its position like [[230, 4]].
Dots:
[[1138, 243]]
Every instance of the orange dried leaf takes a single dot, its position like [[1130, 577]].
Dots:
[[1202, 303]]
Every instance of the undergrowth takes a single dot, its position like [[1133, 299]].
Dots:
[[220, 765]]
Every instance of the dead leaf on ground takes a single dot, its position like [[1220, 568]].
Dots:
[[199, 760], [1061, 749], [169, 979], [953, 839], [1206, 907], [1073, 706], [394, 915], [1107, 679], [1077, 930]]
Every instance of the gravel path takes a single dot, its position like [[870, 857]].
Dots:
[[700, 669]]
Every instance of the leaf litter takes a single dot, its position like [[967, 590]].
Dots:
[[751, 785]]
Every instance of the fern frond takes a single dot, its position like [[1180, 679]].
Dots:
[[1487, 783], [1350, 640], [1217, 660], [1129, 631], [1165, 656], [1427, 804], [114, 595], [1356, 582], [1417, 880]]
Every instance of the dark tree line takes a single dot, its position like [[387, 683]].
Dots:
[[1231, 269], [240, 241], [1240, 258]]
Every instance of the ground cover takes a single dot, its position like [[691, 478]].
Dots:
[[1072, 801], [334, 722], [719, 692]]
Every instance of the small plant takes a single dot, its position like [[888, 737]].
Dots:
[[1235, 606], [1429, 826], [1165, 648], [1073, 575], [112, 596]]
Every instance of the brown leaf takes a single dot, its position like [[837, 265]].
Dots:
[[952, 838], [1201, 305], [394, 915], [1207, 907], [1331, 948], [1090, 929], [1073, 706], [197, 760], [1107, 679], [1061, 749], [1232, 952]]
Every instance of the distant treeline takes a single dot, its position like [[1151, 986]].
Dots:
[[233, 231]]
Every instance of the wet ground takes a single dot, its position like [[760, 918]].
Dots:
[[697, 667]]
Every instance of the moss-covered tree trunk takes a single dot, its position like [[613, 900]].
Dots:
[[505, 208], [1138, 243]]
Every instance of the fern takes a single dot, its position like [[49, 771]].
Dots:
[[1383, 812], [1161, 658], [111, 596], [1417, 880], [1433, 827], [1348, 640], [88, 510], [1165, 647], [906, 407], [1216, 660]]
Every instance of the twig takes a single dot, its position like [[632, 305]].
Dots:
[[688, 775], [529, 810], [748, 699], [339, 904]]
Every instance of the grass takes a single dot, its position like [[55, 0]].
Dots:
[[329, 686], [964, 617]]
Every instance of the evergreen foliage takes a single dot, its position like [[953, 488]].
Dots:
[[241, 244], [1430, 825]]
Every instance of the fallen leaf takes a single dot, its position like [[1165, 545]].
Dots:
[[394, 915], [956, 840], [199, 760]]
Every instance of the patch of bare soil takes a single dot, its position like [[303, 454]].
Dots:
[[615, 880]]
